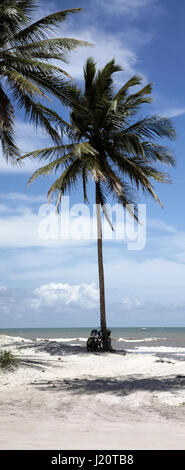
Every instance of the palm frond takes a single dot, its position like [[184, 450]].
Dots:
[[55, 118], [26, 48], [78, 150], [21, 85], [53, 84], [48, 169], [103, 87], [49, 152], [18, 63], [108, 143], [139, 173], [36, 114], [12, 18], [120, 95], [151, 127], [39, 29], [28, 7], [155, 152], [89, 75], [7, 131], [50, 48], [66, 181]]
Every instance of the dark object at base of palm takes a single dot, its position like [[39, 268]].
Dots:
[[95, 340]]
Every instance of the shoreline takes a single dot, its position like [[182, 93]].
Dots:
[[61, 396]]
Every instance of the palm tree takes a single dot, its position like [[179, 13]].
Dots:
[[26, 51], [109, 142]]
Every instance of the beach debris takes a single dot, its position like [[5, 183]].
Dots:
[[165, 361]]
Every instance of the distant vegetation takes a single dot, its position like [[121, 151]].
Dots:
[[8, 360]]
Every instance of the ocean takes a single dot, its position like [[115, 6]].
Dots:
[[163, 342]]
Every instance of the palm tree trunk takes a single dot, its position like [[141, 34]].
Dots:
[[106, 340]]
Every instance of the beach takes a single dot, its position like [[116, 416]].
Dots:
[[62, 397]]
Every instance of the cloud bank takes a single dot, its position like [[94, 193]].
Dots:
[[57, 294]]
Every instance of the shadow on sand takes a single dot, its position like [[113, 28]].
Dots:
[[116, 386], [57, 348], [119, 387]]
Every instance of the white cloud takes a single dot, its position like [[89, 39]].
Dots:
[[56, 294], [12, 301], [16, 196], [130, 302], [4, 208], [174, 112], [157, 280], [26, 223], [28, 139], [130, 7], [19, 230], [105, 44], [29, 166], [160, 225], [106, 47], [21, 227]]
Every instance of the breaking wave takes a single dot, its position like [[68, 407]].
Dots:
[[134, 340]]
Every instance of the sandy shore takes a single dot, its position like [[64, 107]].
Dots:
[[61, 397]]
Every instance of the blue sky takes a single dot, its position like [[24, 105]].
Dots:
[[54, 282]]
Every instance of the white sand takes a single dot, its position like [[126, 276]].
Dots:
[[90, 401]]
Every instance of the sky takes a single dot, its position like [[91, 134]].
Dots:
[[49, 281]]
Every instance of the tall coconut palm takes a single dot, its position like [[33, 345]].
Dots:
[[109, 142], [26, 72]]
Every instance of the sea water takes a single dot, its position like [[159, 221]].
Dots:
[[168, 342]]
